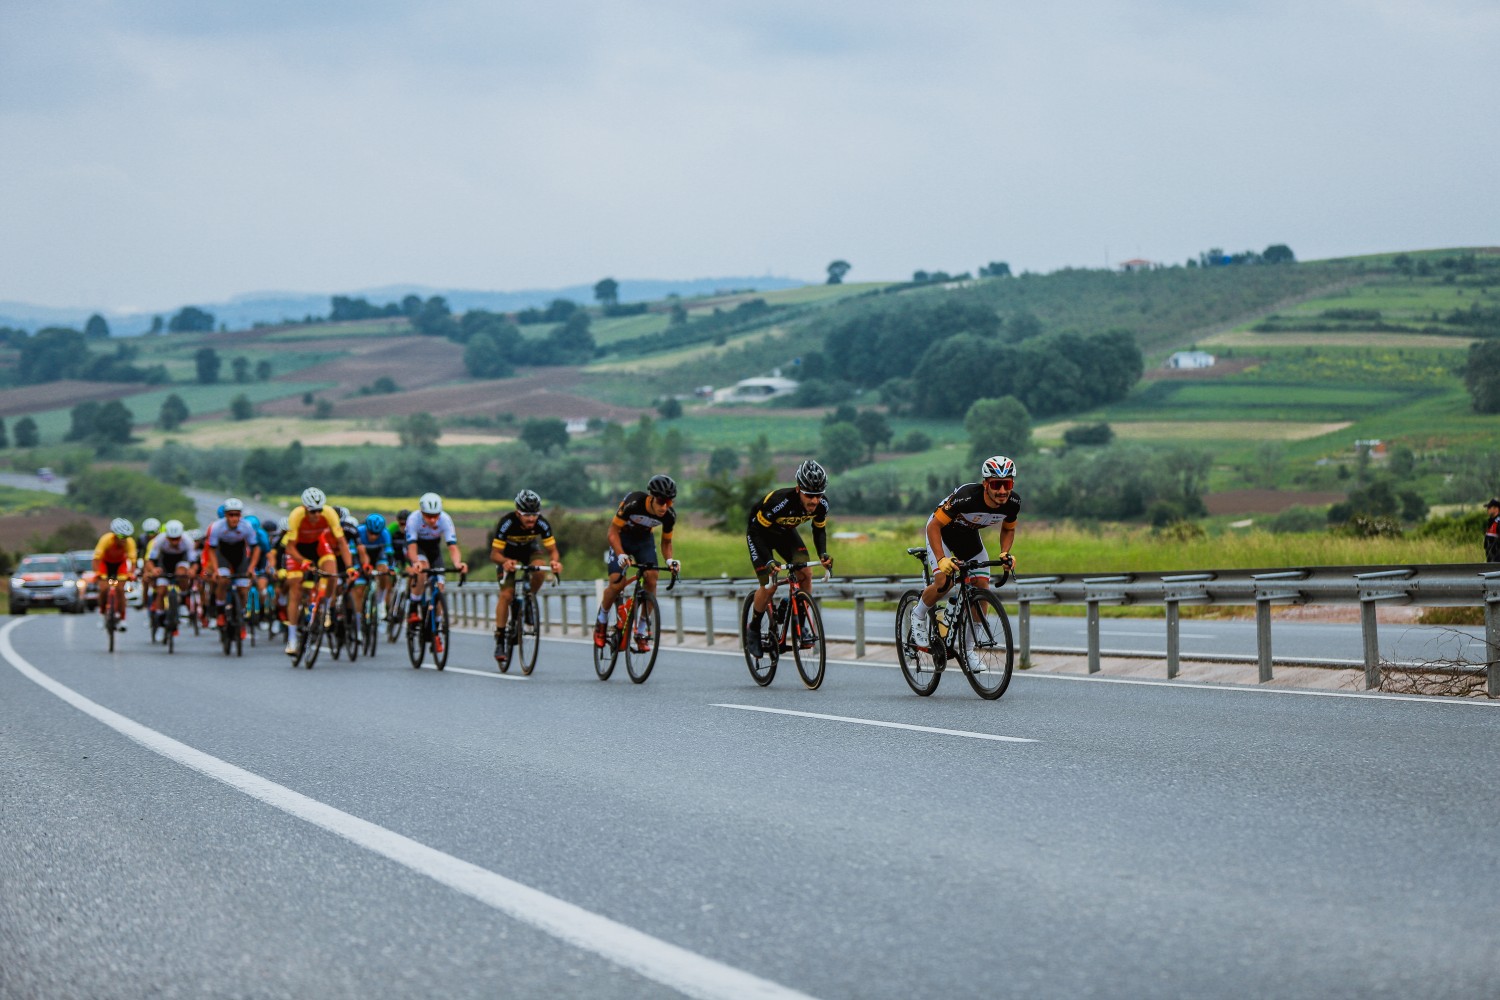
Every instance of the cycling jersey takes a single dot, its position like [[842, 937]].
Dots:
[[307, 528], [635, 522], [377, 546], [241, 536], [781, 511], [514, 540], [418, 530], [113, 551], [965, 507], [168, 554]]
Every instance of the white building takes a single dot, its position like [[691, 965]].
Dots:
[[755, 390], [1191, 359]]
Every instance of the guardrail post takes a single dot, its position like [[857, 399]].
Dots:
[[583, 614], [1492, 647], [1174, 641], [859, 628], [1368, 631], [677, 612], [547, 613], [708, 620], [1023, 618], [1093, 620], [1263, 637]]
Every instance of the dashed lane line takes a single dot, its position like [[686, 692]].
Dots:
[[881, 724]]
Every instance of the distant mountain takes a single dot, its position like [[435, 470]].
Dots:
[[273, 307]]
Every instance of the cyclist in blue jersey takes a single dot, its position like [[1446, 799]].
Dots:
[[372, 553]]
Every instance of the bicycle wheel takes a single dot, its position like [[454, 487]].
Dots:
[[416, 642], [528, 636], [350, 629], [984, 645], [311, 636], [605, 656], [645, 622], [372, 621], [806, 633], [395, 611], [763, 667], [440, 631], [170, 615], [920, 670], [237, 622]]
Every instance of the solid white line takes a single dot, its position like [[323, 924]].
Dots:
[[491, 674], [883, 725], [675, 967]]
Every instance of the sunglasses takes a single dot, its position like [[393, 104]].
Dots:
[[999, 485]]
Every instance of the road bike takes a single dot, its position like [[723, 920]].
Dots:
[[232, 629], [396, 603], [972, 628], [370, 615], [636, 631], [312, 618], [166, 620], [430, 630], [112, 593], [339, 628], [523, 627], [792, 624]]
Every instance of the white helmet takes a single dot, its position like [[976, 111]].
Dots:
[[234, 504], [430, 503], [313, 499], [173, 529], [122, 527], [150, 526]]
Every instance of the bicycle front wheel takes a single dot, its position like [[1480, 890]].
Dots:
[[920, 670], [528, 636], [237, 623], [985, 648], [440, 631], [763, 667], [395, 611], [644, 628], [806, 635], [311, 637]]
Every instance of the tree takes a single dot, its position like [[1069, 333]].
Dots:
[[998, 427], [485, 357], [4, 438], [419, 431], [240, 407], [26, 433], [678, 315], [322, 409], [174, 412], [263, 370], [542, 434], [157, 324], [96, 328], [669, 408], [723, 460], [53, 353], [836, 271], [873, 429], [191, 319], [641, 443], [995, 269], [241, 366], [83, 421], [113, 423], [842, 446], [759, 456], [729, 499], [607, 292], [1279, 253], [208, 362], [673, 444], [1482, 376]]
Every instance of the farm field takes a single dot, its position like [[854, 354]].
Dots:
[[1251, 341], [202, 400], [277, 431], [1201, 430]]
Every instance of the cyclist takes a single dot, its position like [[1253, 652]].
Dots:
[[260, 573], [772, 531], [427, 529], [114, 559], [171, 553], [520, 537], [312, 537], [234, 545], [150, 528], [372, 543], [631, 540], [953, 533]]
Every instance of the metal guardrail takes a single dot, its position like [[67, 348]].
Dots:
[[1442, 585]]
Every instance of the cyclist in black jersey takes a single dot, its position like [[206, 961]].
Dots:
[[772, 531], [521, 538], [953, 533], [631, 541]]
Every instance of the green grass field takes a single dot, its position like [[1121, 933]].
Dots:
[[200, 399]]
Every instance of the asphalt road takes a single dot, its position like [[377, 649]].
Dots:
[[371, 830]]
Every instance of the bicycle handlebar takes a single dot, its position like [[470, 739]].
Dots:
[[786, 567]]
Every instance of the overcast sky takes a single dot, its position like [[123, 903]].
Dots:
[[154, 154]]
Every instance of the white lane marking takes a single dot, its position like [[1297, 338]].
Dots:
[[1158, 634], [875, 722], [492, 674], [687, 972]]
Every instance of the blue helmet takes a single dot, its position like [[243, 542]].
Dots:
[[374, 524], [221, 511], [253, 521]]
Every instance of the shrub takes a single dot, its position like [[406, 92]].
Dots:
[[914, 441]]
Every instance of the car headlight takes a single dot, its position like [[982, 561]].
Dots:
[[82, 586], [16, 581]]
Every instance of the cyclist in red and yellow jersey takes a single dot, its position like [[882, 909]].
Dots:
[[114, 560], [312, 537]]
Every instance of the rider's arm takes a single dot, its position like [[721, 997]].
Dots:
[[613, 537], [820, 536], [1007, 537]]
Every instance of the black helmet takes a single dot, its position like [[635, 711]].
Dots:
[[402, 515], [662, 488], [527, 502], [811, 478]]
